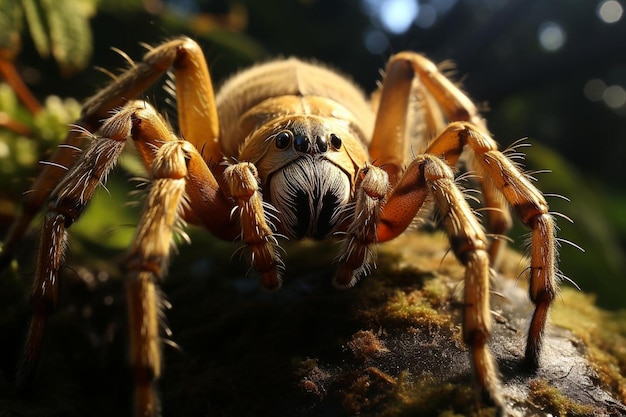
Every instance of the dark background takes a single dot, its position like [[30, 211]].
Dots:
[[529, 90]]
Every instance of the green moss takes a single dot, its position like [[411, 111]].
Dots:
[[551, 400], [407, 308], [603, 333], [426, 396], [407, 290]]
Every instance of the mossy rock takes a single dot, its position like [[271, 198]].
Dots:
[[391, 346]]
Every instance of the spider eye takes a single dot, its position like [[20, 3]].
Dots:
[[283, 139], [322, 145], [302, 143], [335, 141]]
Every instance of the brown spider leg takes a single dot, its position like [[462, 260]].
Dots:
[[200, 124], [372, 185], [530, 206], [256, 231], [501, 182], [469, 243], [433, 86], [389, 142], [458, 107], [147, 263], [33, 200], [197, 112], [66, 205], [181, 184], [428, 174], [72, 194]]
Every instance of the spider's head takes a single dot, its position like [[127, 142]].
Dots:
[[307, 166]]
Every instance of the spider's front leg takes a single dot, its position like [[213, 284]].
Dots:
[[500, 178], [200, 127], [411, 77], [532, 209], [381, 215], [408, 74], [179, 176], [182, 186], [429, 175]]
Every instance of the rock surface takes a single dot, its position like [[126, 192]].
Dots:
[[391, 346]]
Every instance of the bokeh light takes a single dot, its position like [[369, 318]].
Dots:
[[426, 16], [376, 41], [395, 16], [610, 11], [614, 96], [398, 15], [551, 36], [594, 89]]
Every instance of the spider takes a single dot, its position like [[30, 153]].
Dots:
[[293, 149]]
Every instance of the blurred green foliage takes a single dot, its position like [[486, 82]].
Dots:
[[494, 44], [19, 153], [58, 28]]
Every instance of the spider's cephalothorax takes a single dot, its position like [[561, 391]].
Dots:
[[307, 155]]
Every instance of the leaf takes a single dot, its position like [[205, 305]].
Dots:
[[70, 34], [37, 26]]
